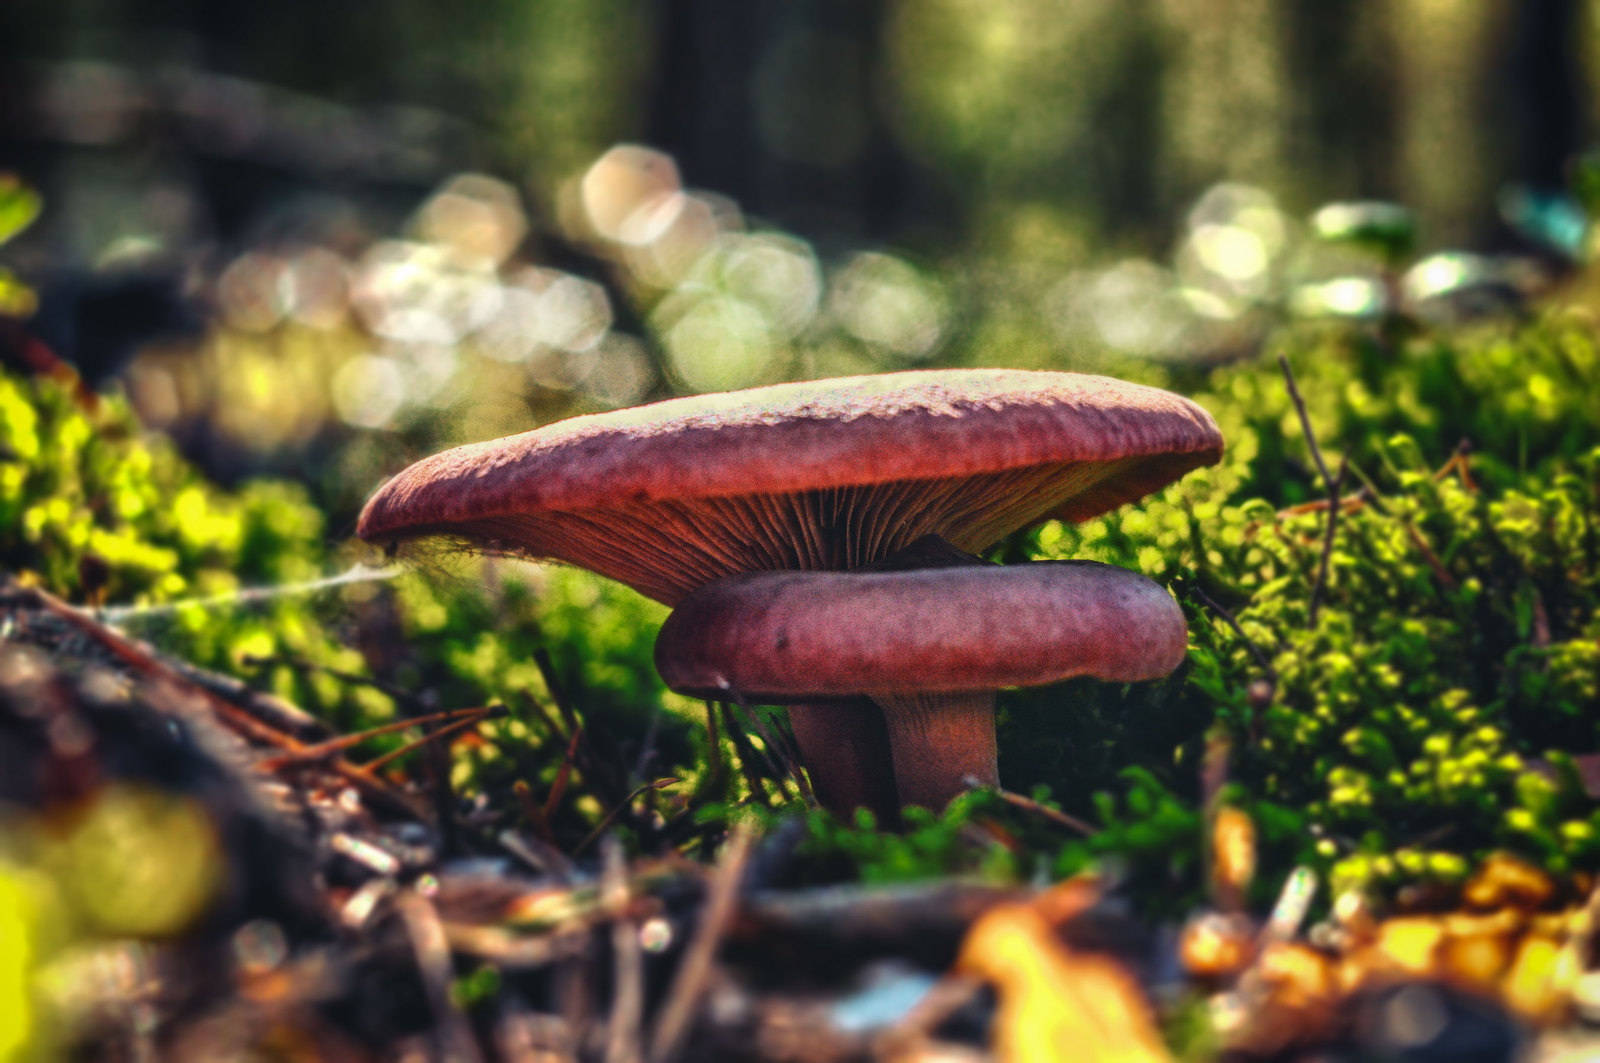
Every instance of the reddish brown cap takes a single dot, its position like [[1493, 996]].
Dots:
[[782, 636], [825, 474]]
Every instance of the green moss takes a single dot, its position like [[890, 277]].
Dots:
[[1429, 715], [1454, 653]]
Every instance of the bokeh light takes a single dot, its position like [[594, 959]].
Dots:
[[888, 303], [368, 390], [717, 342], [622, 188]]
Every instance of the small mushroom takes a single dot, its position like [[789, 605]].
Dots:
[[819, 475], [929, 645]]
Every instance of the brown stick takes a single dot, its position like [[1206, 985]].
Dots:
[[1255, 651], [655, 784], [558, 788], [1055, 815], [746, 752], [151, 667], [1321, 584], [1305, 421], [1441, 573], [533, 811], [694, 974], [437, 733], [322, 750], [627, 999]]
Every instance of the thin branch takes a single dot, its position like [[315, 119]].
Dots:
[[694, 973], [716, 767], [446, 731], [533, 811], [777, 756], [1028, 804], [1459, 463], [333, 746], [746, 752], [595, 769], [1321, 584], [627, 995], [558, 693], [1305, 421], [655, 784], [1255, 651], [1441, 573], [559, 788], [647, 748], [240, 719]]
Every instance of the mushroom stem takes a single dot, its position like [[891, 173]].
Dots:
[[937, 741], [844, 746]]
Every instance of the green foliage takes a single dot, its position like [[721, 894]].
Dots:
[[1426, 717], [19, 206], [1430, 714], [92, 508], [929, 845]]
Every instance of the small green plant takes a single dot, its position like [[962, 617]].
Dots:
[[1429, 714]]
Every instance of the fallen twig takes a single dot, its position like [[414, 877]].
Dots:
[[1305, 422], [656, 784], [627, 999], [152, 667], [694, 973], [323, 750], [432, 948], [1440, 573], [778, 757], [448, 730], [1255, 651], [1321, 583], [1028, 804]]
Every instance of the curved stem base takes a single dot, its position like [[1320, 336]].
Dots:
[[845, 748], [938, 740]]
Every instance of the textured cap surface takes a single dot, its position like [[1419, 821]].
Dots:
[[819, 474], [786, 635]]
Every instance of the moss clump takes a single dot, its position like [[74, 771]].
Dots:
[[96, 510], [1430, 713]]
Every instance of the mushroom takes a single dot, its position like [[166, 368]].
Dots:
[[828, 474], [929, 645]]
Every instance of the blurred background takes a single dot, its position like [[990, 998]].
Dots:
[[323, 237]]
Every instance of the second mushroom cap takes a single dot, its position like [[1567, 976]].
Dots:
[[929, 645], [830, 634]]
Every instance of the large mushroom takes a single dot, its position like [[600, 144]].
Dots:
[[819, 475], [930, 645]]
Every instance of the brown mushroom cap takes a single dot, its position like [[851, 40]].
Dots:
[[929, 645], [787, 635], [825, 474]]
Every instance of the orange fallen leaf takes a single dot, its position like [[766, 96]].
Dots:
[[1057, 1004]]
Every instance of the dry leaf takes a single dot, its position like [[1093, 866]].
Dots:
[[1057, 1004]]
